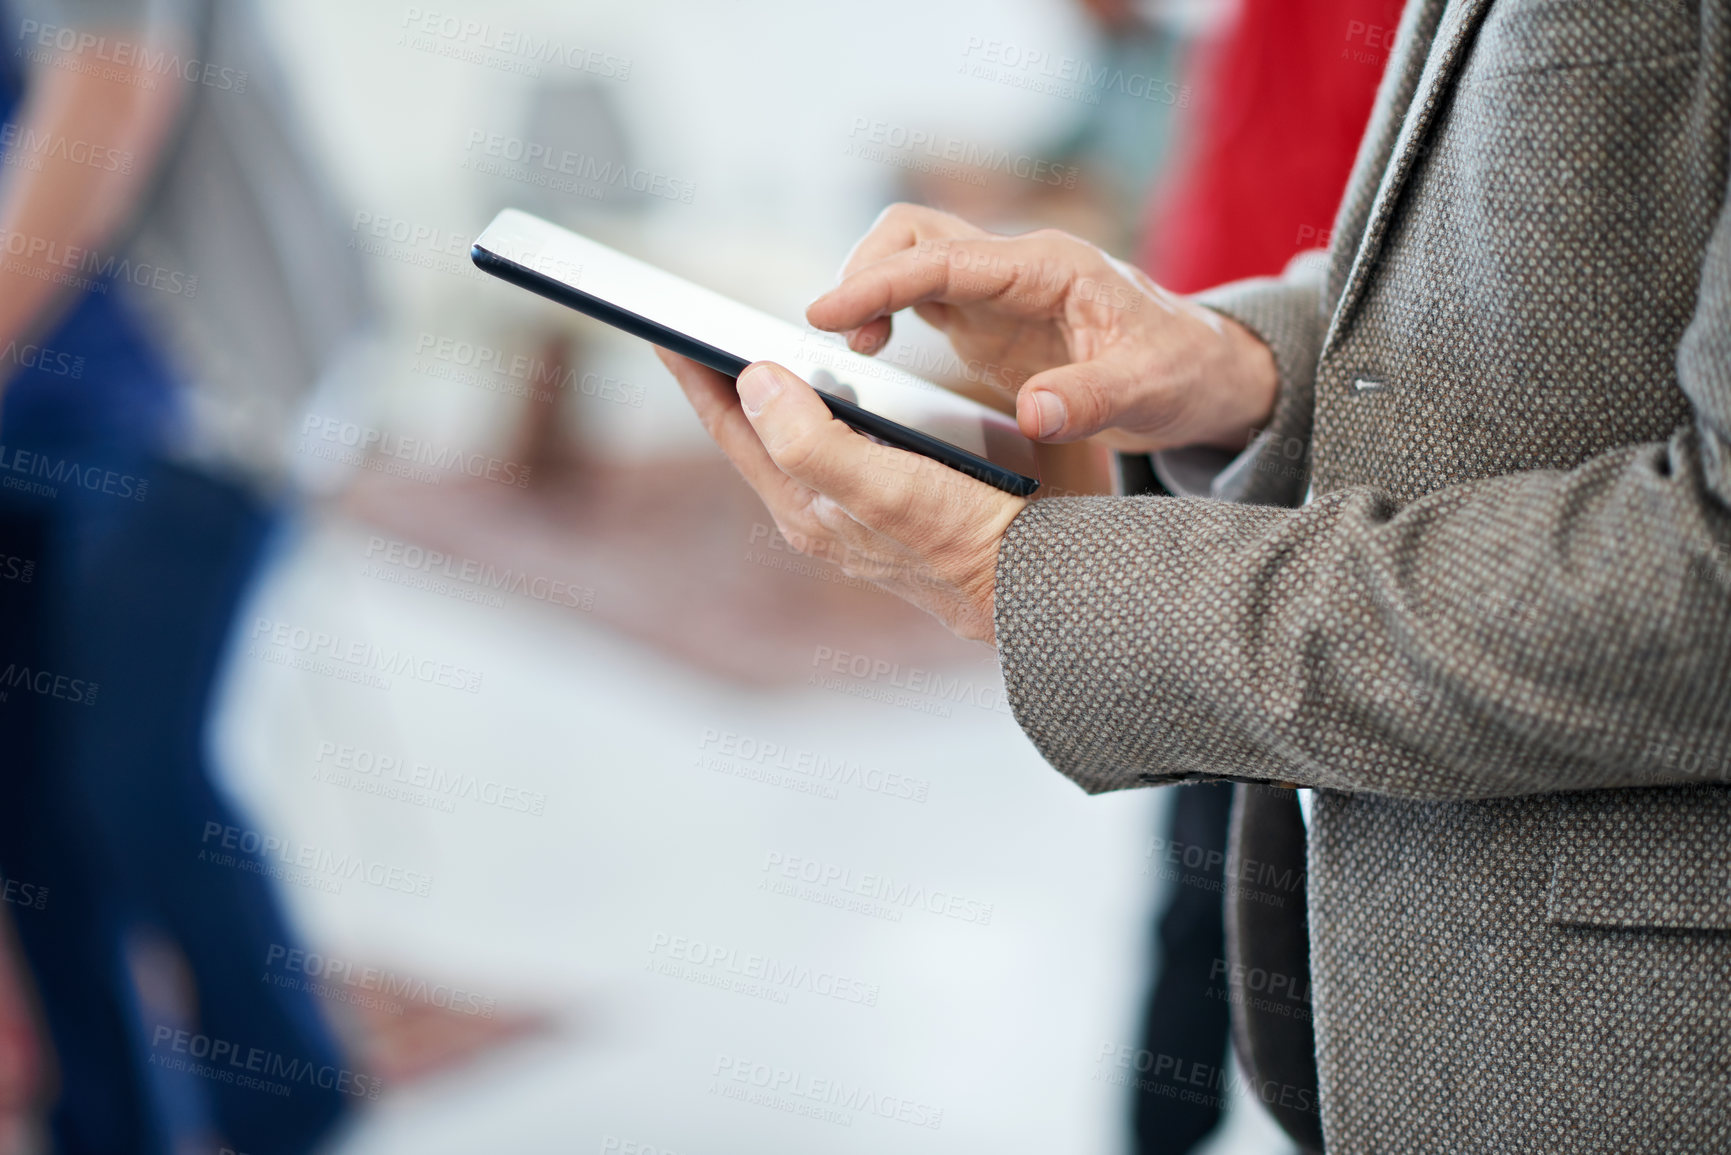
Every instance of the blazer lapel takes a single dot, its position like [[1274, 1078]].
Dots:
[[1453, 42]]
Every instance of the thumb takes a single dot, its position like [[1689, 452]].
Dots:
[[1071, 402]]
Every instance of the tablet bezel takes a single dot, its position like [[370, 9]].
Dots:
[[883, 429]]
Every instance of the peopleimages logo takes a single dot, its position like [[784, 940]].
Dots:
[[43, 359], [227, 845], [33, 145], [727, 751], [1026, 280], [121, 54], [832, 884], [925, 361], [358, 656], [881, 680], [411, 242], [33, 897], [829, 1100], [256, 1067], [921, 150], [614, 1145], [413, 559], [1193, 1081], [535, 377], [368, 444], [1262, 982], [21, 570], [357, 766], [748, 973], [46, 684], [45, 258], [341, 979], [1069, 77], [563, 170], [1244, 877], [502, 47]]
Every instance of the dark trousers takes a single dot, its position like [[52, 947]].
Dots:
[[122, 627], [1188, 1022]]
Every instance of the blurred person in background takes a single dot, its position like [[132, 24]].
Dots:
[[1283, 93], [171, 284]]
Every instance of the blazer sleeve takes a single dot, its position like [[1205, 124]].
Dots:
[[1536, 632]]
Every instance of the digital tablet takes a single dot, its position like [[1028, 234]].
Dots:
[[878, 399]]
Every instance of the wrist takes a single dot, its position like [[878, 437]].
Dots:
[[980, 593], [1251, 385]]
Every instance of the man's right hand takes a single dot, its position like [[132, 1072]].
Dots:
[[1096, 348]]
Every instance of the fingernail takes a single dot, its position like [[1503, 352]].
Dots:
[[1050, 408], [758, 386]]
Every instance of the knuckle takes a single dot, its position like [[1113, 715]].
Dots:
[[1160, 409], [1062, 245], [802, 532], [901, 214], [1072, 252], [801, 449], [856, 561], [892, 507], [1088, 401]]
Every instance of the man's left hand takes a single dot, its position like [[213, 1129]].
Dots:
[[919, 529]]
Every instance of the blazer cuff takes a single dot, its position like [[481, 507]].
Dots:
[[1098, 605]]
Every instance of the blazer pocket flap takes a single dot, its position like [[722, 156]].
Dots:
[[1655, 858]]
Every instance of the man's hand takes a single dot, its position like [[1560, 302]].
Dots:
[[919, 529], [1094, 345]]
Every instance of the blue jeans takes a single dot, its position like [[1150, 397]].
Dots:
[[109, 656]]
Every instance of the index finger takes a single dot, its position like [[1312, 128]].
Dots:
[[901, 226], [1030, 273], [898, 227]]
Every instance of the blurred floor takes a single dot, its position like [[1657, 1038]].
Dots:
[[644, 849]]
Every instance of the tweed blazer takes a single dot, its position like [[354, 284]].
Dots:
[[1497, 640]]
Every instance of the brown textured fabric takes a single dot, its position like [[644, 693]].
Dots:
[[1498, 641]]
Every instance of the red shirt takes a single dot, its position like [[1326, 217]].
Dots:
[[1285, 97]]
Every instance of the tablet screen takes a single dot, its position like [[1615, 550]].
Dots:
[[590, 269]]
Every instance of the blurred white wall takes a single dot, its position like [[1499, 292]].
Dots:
[[752, 104]]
